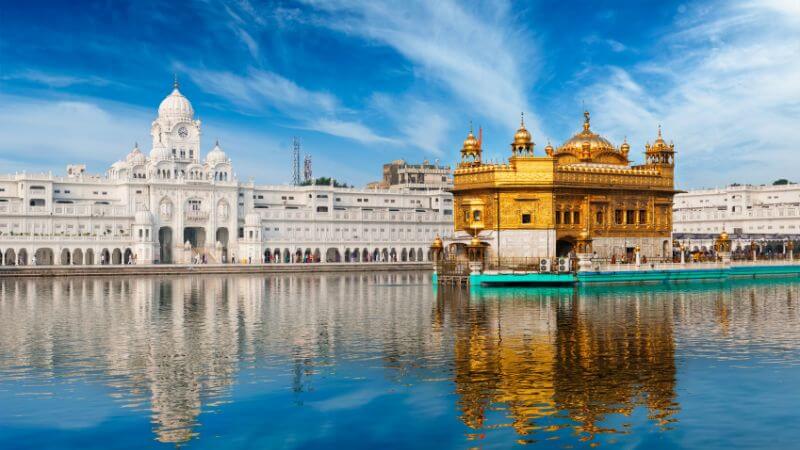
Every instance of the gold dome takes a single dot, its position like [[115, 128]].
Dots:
[[522, 136], [437, 242], [471, 142], [577, 143], [723, 236], [549, 149]]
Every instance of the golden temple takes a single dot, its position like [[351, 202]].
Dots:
[[545, 205]]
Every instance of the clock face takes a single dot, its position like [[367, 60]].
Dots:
[[183, 132]]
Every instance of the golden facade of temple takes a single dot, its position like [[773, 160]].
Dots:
[[537, 205]]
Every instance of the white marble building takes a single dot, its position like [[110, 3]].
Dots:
[[172, 206], [768, 215]]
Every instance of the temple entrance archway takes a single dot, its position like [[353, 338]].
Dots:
[[196, 236], [128, 259], [222, 238], [10, 258], [332, 255], [564, 246], [77, 257], [165, 245], [116, 256], [66, 258], [44, 256]]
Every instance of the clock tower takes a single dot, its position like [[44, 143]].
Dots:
[[175, 132]]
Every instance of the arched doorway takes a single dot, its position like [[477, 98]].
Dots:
[[317, 255], [276, 255], [105, 256], [307, 255], [89, 257], [298, 255], [77, 257], [385, 255], [376, 255], [564, 246], [196, 236], [222, 238], [165, 245], [116, 256], [332, 255], [355, 256], [267, 256], [22, 257], [44, 256], [65, 257], [365, 255], [412, 255], [128, 256], [10, 257], [287, 257], [393, 255]]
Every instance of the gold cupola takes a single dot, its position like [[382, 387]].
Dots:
[[471, 150], [523, 142], [587, 146], [660, 152], [625, 148]]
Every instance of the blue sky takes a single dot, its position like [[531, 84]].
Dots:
[[363, 83]]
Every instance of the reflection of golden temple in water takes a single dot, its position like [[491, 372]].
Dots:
[[544, 355], [539, 361]]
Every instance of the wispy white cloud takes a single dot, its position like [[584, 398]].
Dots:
[[474, 52], [725, 87], [350, 130], [55, 80], [53, 133], [420, 123], [259, 91]]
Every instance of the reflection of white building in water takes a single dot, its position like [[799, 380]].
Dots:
[[767, 215], [173, 205]]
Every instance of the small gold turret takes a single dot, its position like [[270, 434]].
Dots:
[[471, 150], [523, 143]]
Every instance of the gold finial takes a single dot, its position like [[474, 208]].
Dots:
[[585, 120], [175, 80], [522, 119], [659, 130], [470, 127]]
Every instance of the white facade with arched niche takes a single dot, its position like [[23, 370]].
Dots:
[[172, 206]]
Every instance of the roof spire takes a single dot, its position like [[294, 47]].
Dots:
[[522, 119], [217, 143], [659, 130], [175, 84], [470, 127], [585, 120], [136, 145]]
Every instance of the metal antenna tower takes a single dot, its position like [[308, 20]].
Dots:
[[295, 161], [307, 175]]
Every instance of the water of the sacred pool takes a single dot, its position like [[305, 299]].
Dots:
[[379, 360]]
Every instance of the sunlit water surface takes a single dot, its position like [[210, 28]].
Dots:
[[388, 361]]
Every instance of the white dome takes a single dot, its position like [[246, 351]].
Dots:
[[216, 156], [119, 165], [252, 220], [136, 156], [159, 153], [176, 106]]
